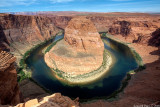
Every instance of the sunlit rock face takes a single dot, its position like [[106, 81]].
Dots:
[[80, 52], [82, 35], [54, 100]]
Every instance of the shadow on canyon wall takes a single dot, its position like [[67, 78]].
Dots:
[[3, 40]]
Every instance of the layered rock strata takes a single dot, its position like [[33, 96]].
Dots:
[[80, 52], [155, 39], [21, 32], [55, 100], [9, 89]]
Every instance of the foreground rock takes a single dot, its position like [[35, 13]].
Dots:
[[9, 89], [55, 100], [80, 52]]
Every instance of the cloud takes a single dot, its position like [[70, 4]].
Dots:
[[6, 3], [60, 1]]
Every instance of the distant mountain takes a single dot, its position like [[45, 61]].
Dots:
[[73, 13]]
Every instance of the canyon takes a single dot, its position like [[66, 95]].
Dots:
[[20, 33]]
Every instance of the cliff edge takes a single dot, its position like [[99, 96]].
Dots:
[[9, 89]]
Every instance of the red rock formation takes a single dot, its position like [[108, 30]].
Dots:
[[80, 52], [55, 100], [3, 41], [82, 35], [134, 27], [23, 32], [120, 27], [155, 39], [19, 28], [9, 90], [61, 21]]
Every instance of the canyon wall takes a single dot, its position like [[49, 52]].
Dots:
[[9, 89], [155, 39], [133, 27], [19, 28], [137, 28], [21, 32]]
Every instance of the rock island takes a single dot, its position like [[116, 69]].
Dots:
[[80, 56]]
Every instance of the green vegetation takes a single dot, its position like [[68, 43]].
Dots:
[[103, 34], [73, 78], [135, 54], [138, 58], [124, 84], [60, 33], [22, 74], [139, 61], [50, 46], [132, 72], [59, 73]]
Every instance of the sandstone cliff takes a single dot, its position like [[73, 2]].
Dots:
[[155, 39], [136, 29], [133, 27], [3, 41], [9, 89], [21, 32], [19, 28], [82, 35]]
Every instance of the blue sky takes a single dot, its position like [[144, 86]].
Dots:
[[80, 5]]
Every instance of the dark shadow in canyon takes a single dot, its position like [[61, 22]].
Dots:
[[3, 40]]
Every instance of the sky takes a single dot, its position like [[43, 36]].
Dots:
[[80, 5]]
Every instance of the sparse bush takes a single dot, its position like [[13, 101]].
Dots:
[[50, 46]]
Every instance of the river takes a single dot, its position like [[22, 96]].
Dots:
[[105, 86]]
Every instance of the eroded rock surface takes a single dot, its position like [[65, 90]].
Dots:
[[80, 52], [9, 89], [20, 33], [55, 100]]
